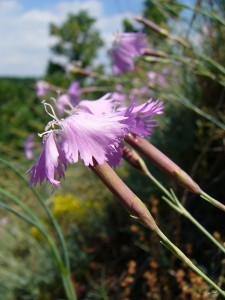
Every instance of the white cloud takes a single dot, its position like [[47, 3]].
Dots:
[[93, 6], [25, 39]]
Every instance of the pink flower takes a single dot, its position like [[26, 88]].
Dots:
[[92, 138], [104, 105], [126, 47], [93, 132], [42, 88], [50, 160], [28, 146], [142, 116]]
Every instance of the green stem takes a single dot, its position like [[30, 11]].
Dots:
[[186, 102], [202, 229], [11, 167], [47, 211], [68, 286], [176, 251], [65, 275], [136, 208], [158, 184], [212, 201], [20, 204], [176, 205], [66, 279]]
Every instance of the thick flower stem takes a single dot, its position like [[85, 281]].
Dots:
[[138, 210], [166, 165], [163, 162], [162, 31], [129, 200]]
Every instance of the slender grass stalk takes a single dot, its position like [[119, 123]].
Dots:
[[20, 204], [212, 200], [208, 13], [181, 210], [47, 211], [177, 252], [66, 279], [165, 33], [186, 102]]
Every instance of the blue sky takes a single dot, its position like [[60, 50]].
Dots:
[[24, 29]]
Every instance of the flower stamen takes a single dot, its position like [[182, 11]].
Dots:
[[52, 113]]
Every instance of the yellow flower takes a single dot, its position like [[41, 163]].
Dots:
[[69, 208], [36, 233]]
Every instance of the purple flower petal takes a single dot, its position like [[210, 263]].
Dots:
[[141, 116], [74, 92], [126, 47], [104, 105], [28, 146], [49, 161], [42, 88], [70, 99], [62, 103], [92, 137]]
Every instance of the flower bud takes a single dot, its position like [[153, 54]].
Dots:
[[129, 200]]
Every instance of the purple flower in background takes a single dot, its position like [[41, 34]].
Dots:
[[152, 76], [70, 99], [74, 92], [126, 47], [42, 88], [159, 79], [62, 103], [28, 146]]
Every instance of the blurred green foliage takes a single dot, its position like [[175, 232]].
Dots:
[[20, 114], [78, 41]]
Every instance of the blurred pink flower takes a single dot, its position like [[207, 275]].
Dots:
[[70, 99], [126, 47], [42, 88], [28, 146]]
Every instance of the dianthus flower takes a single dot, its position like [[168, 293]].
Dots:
[[126, 47], [93, 132], [92, 138], [42, 88], [28, 146]]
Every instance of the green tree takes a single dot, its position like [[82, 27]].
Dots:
[[78, 40]]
